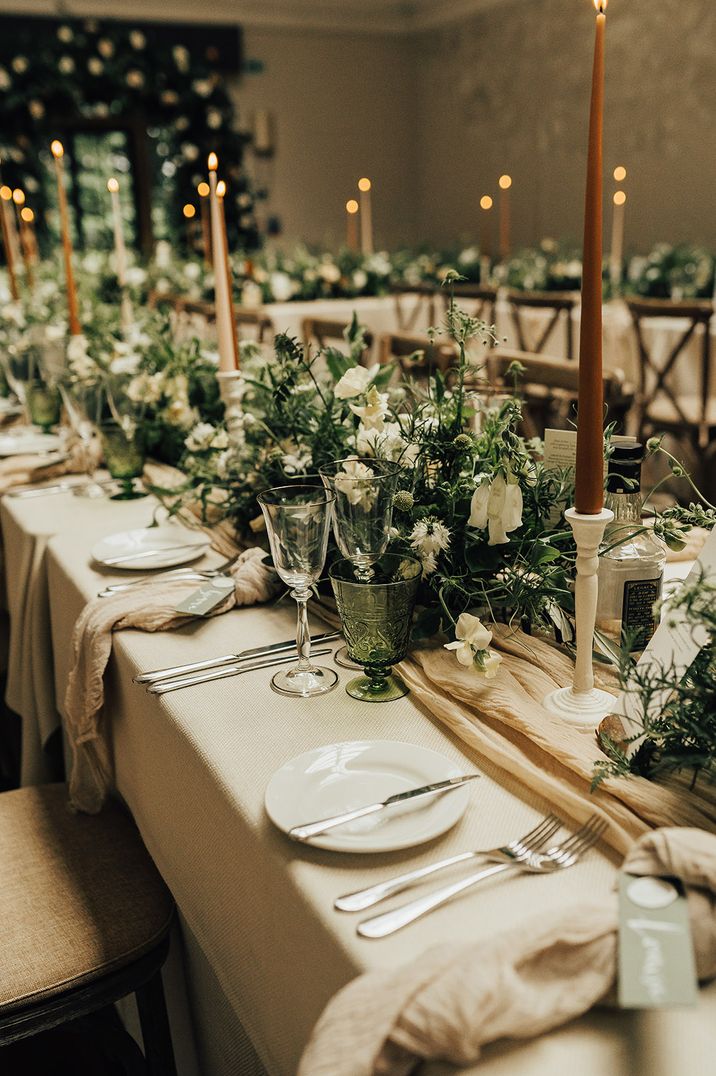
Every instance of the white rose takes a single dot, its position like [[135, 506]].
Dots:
[[354, 382]]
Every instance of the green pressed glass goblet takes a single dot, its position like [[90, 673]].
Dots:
[[376, 616], [124, 455], [44, 404]]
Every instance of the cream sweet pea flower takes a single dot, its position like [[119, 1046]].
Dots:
[[354, 382], [498, 506], [372, 413], [471, 646]]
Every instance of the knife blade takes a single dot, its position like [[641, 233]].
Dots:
[[154, 552], [305, 832], [163, 686], [243, 655]]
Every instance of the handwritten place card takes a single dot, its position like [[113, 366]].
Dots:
[[674, 645], [200, 602], [656, 954]]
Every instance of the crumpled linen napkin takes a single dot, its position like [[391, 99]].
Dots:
[[452, 1000], [148, 609], [24, 470]]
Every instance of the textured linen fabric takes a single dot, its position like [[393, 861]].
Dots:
[[79, 896], [149, 609], [453, 1000]]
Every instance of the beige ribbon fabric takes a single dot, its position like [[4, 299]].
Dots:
[[153, 609], [504, 721], [451, 1001]]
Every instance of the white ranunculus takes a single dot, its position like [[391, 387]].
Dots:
[[372, 413], [354, 382], [498, 506], [282, 287]]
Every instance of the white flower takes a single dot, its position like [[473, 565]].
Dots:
[[20, 65], [214, 119], [354, 382], [296, 459], [65, 34], [360, 279], [105, 47], [251, 294], [471, 646], [354, 484], [430, 536], [36, 109], [489, 665], [181, 58], [498, 506], [5, 80], [65, 65], [135, 78], [124, 364], [179, 413], [282, 287], [388, 443], [137, 39], [373, 411], [429, 562], [95, 65], [329, 272]]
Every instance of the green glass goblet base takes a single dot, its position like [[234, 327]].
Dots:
[[127, 491], [377, 686], [304, 683]]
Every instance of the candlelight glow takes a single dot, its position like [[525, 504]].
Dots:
[[27, 215], [189, 211], [57, 148], [112, 185], [601, 6], [213, 162], [505, 182], [486, 202], [619, 197], [18, 196], [220, 189], [351, 206], [620, 173], [364, 184], [203, 190], [6, 194]]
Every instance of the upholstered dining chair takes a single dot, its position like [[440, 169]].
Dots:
[[85, 920], [549, 388], [676, 394], [412, 300], [479, 300], [557, 304], [417, 356], [324, 332]]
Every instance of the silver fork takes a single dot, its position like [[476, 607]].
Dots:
[[530, 842], [176, 573], [554, 859]]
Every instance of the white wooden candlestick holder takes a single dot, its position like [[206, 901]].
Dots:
[[231, 390], [582, 704]]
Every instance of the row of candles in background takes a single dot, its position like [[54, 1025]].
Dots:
[[17, 221]]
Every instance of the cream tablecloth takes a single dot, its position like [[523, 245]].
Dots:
[[263, 949]]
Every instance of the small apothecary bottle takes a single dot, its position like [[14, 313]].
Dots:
[[631, 561]]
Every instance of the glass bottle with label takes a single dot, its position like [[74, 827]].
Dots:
[[631, 561]]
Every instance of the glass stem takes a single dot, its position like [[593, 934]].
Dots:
[[303, 634]]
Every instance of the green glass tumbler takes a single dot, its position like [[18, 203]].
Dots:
[[44, 404], [376, 616], [124, 456]]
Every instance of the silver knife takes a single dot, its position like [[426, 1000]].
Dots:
[[313, 829], [153, 553], [230, 670], [227, 659]]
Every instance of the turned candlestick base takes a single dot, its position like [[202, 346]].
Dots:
[[231, 390], [582, 704]]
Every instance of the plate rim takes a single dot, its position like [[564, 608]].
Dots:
[[143, 565]]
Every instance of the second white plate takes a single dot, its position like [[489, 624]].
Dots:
[[340, 777], [164, 539], [30, 443]]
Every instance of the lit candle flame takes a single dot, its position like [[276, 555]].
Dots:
[[6, 194], [601, 6], [112, 185], [364, 184], [351, 206], [620, 173], [213, 162], [189, 211], [619, 197], [220, 189], [203, 190], [27, 214], [57, 148], [18, 196], [505, 182], [486, 202]]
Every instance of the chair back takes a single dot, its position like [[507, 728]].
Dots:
[[417, 356], [412, 300], [559, 304], [324, 332], [660, 402], [253, 324]]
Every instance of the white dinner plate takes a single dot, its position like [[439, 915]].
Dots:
[[165, 537], [340, 777], [28, 443]]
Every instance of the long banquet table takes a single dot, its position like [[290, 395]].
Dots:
[[261, 949]]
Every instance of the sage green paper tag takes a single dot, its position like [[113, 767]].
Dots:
[[656, 954], [207, 597]]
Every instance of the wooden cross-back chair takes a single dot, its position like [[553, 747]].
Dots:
[[661, 404], [479, 300], [560, 304], [412, 300], [549, 389], [253, 318], [417, 356], [247, 318], [324, 332]]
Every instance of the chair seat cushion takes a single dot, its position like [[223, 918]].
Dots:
[[79, 895]]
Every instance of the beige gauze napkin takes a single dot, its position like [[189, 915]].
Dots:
[[151, 608], [451, 1001], [25, 470]]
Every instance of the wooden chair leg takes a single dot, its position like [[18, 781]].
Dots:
[[154, 1022]]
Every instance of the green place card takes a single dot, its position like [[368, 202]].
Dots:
[[200, 602], [656, 954]]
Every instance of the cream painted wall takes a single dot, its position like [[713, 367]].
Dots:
[[344, 107]]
